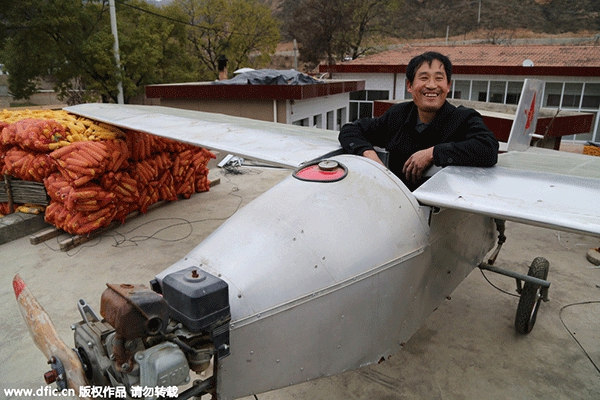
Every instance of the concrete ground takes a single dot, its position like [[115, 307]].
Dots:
[[467, 349]]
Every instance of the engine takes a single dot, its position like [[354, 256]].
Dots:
[[153, 337]]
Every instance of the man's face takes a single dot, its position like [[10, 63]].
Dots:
[[430, 87]]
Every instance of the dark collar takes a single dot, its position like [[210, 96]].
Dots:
[[442, 115]]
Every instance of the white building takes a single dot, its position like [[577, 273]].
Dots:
[[320, 105], [490, 73]]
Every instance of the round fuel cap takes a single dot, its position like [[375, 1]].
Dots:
[[322, 171]]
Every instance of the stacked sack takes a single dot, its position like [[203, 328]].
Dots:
[[591, 150], [26, 139], [166, 169], [25, 147], [95, 173]]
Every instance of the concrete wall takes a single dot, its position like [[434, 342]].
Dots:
[[4, 98], [45, 97], [317, 111], [255, 108]]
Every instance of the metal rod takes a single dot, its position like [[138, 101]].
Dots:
[[113, 28], [525, 278], [199, 388], [11, 206], [295, 55]]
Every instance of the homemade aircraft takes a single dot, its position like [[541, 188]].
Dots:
[[333, 268]]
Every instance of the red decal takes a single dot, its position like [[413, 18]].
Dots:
[[530, 113], [18, 285]]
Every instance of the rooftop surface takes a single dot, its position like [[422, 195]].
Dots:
[[206, 90], [577, 60]]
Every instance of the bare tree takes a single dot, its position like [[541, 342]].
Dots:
[[244, 31], [334, 29]]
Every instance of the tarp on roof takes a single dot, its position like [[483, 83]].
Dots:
[[270, 77]]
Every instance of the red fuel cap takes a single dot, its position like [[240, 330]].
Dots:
[[322, 171]]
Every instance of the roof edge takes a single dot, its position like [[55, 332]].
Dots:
[[277, 92], [467, 69]]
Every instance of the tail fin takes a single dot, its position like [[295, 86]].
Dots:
[[523, 128]]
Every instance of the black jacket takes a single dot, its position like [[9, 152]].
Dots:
[[458, 135]]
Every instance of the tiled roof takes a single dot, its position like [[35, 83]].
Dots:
[[486, 59], [497, 55]]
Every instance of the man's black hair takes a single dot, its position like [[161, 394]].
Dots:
[[428, 58]]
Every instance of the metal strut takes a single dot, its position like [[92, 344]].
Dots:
[[501, 227], [198, 389], [516, 275], [489, 266]]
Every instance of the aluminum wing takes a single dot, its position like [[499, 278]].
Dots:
[[279, 144], [539, 187]]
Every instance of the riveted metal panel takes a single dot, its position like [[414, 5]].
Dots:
[[326, 278]]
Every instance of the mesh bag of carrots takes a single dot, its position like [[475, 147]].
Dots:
[[591, 150], [33, 134], [97, 182], [96, 173]]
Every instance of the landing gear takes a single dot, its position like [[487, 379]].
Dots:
[[531, 296], [532, 292]]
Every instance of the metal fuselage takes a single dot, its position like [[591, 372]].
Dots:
[[326, 277]]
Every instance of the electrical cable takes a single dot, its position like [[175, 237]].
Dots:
[[135, 239], [560, 317], [557, 234], [224, 31], [121, 238], [573, 335], [496, 287]]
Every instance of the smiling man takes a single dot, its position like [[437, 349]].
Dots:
[[426, 131]]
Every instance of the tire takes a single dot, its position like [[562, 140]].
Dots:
[[531, 297]]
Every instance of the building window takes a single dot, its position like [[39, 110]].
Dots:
[[552, 94], [330, 125], [340, 118], [562, 95], [373, 95], [353, 109], [591, 96], [479, 91], [497, 91], [361, 102], [461, 89], [572, 95], [317, 121], [577, 97], [513, 92], [301, 122]]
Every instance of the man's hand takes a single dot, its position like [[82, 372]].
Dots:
[[417, 164], [371, 154]]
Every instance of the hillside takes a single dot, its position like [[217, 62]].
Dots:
[[389, 23], [461, 17]]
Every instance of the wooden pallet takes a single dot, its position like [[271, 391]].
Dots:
[[16, 191], [75, 240], [70, 242]]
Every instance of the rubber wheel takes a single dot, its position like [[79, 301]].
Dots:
[[531, 297]]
